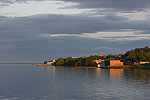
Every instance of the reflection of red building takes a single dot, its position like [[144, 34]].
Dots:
[[116, 74], [116, 63]]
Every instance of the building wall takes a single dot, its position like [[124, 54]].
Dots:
[[101, 55], [99, 61], [50, 62], [144, 62], [116, 63]]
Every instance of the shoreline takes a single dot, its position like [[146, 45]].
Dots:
[[17, 63], [107, 67], [128, 67], [42, 64]]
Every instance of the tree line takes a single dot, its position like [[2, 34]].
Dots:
[[136, 55]]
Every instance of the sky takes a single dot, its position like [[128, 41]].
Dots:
[[39, 30]]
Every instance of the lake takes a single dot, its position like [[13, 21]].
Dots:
[[28, 82]]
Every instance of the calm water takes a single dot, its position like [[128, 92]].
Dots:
[[27, 82]]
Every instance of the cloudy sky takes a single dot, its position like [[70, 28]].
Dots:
[[38, 30]]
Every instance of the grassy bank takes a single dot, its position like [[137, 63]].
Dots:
[[146, 66]]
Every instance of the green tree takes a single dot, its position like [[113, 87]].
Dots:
[[60, 62]]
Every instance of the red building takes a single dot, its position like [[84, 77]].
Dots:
[[99, 61], [116, 63], [101, 55]]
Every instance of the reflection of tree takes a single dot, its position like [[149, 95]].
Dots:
[[140, 74]]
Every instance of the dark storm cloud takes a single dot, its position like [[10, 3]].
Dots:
[[28, 33], [13, 1], [34, 26], [113, 4], [122, 5], [22, 37]]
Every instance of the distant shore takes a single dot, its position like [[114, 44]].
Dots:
[[107, 67], [42, 64], [17, 63]]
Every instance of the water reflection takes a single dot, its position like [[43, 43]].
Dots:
[[50, 70], [116, 74], [138, 74], [64, 83], [143, 74], [98, 72]]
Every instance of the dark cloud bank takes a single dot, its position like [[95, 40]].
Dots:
[[25, 39], [125, 5]]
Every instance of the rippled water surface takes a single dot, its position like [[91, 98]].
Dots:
[[27, 82]]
